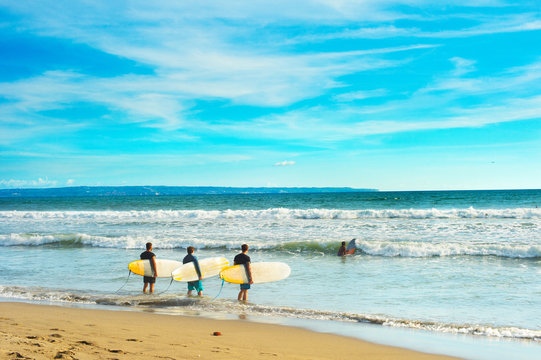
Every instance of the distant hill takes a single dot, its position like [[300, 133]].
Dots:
[[167, 190]]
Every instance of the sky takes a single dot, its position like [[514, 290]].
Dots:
[[383, 94]]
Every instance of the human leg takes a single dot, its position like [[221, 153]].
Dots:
[[149, 280], [199, 288], [195, 285], [243, 293]]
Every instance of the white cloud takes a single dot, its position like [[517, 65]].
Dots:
[[197, 52], [285, 163], [509, 82], [487, 26], [164, 100], [70, 182], [517, 23], [462, 66], [359, 95], [434, 107], [39, 183]]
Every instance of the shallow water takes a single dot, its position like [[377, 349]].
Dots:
[[446, 263]]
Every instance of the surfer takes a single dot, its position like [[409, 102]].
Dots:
[[149, 255], [342, 251], [193, 285], [244, 259]]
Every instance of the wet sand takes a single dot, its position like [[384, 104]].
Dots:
[[29, 331]]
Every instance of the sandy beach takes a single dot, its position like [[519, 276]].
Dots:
[[31, 331]]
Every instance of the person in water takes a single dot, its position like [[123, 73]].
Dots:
[[243, 259], [193, 285], [342, 250], [149, 255]]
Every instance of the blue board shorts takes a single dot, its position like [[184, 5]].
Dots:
[[195, 285], [244, 286]]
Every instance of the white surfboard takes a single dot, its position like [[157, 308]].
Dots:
[[143, 267], [209, 267], [262, 272]]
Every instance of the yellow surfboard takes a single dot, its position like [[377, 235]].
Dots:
[[143, 267], [262, 272], [209, 267]]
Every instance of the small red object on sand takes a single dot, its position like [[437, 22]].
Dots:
[[217, 333]]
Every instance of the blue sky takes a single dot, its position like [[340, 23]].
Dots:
[[393, 95]]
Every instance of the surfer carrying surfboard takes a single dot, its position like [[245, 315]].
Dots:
[[149, 255], [193, 285], [243, 259]]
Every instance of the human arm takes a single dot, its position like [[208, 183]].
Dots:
[[197, 268], [154, 266], [249, 272]]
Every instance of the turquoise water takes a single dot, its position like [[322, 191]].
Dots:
[[442, 264]]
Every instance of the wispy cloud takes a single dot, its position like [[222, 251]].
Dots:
[[285, 163], [235, 82], [197, 55], [415, 113], [39, 183], [523, 22], [360, 95], [462, 66], [509, 81], [165, 100]]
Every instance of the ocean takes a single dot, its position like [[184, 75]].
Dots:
[[456, 272]]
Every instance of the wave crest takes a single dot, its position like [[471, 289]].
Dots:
[[382, 248], [417, 249], [276, 214]]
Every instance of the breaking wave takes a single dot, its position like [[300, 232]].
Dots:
[[275, 214], [416, 249], [384, 248]]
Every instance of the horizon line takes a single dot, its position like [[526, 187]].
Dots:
[[364, 189]]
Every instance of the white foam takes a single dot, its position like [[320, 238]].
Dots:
[[65, 296], [278, 214], [121, 242], [374, 248], [418, 249], [468, 329]]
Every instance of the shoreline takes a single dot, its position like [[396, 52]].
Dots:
[[48, 331]]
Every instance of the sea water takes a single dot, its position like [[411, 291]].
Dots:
[[456, 269]]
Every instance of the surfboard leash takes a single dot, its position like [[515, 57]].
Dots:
[[125, 282], [172, 278], [219, 292]]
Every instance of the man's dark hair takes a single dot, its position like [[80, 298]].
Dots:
[[190, 249], [244, 247]]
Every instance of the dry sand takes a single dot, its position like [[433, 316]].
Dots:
[[29, 331]]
